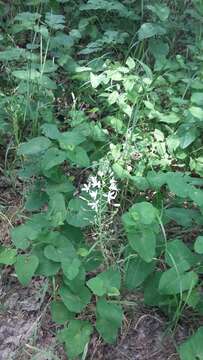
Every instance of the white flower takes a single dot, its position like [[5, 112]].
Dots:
[[93, 194], [86, 188], [94, 205], [111, 196], [113, 185], [100, 173], [94, 182]]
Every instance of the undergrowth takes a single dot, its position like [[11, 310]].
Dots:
[[102, 119]]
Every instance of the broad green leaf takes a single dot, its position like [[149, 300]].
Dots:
[[181, 216], [55, 22], [71, 267], [57, 209], [79, 213], [144, 212], [35, 77], [174, 282], [161, 10], [78, 156], [179, 256], [46, 267], [7, 256], [76, 336], [96, 80], [197, 98], [107, 282], [34, 146], [11, 54], [109, 320], [25, 268], [148, 30], [144, 242], [199, 245], [51, 131], [52, 157], [75, 302], [108, 5], [60, 313], [70, 139], [197, 112], [152, 296], [171, 118], [137, 272], [21, 236], [193, 347]]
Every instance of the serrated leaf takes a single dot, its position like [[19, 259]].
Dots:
[[174, 282], [34, 146], [7, 256], [75, 302], [109, 320], [76, 336], [71, 267], [25, 267], [108, 282], [60, 313]]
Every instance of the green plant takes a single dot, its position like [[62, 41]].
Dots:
[[107, 121]]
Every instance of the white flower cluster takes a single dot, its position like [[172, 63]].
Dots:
[[97, 189]]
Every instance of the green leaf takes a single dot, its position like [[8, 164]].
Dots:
[[197, 112], [198, 247], [173, 282], [8, 256], [148, 30], [171, 118], [25, 268], [36, 77], [181, 216], [144, 242], [193, 347], [78, 156], [71, 267], [57, 209], [109, 320], [52, 157], [11, 54], [108, 282], [161, 10], [79, 213], [76, 336], [55, 22], [70, 139], [60, 313], [179, 256], [137, 272], [75, 302], [46, 267], [34, 146], [50, 131], [197, 98]]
